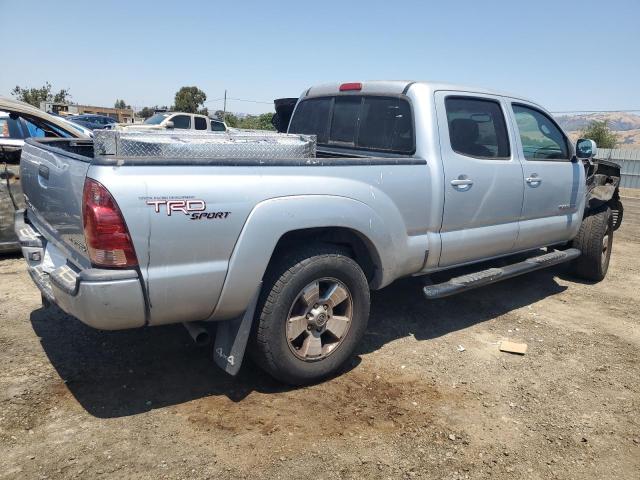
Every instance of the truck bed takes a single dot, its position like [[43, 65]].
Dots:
[[206, 263]]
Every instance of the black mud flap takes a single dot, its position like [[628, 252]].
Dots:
[[232, 337]]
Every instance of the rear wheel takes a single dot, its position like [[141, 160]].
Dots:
[[595, 241], [312, 313]]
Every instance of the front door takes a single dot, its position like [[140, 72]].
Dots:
[[553, 184], [483, 183]]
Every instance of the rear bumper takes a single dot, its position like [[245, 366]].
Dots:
[[104, 299]]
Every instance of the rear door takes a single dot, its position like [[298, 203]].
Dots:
[[553, 184], [482, 175]]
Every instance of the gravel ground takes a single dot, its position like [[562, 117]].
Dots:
[[80, 403]]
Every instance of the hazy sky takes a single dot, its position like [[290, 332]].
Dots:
[[567, 55]]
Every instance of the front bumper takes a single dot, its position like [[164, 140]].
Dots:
[[100, 298]]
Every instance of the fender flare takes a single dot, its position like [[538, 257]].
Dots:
[[273, 218]]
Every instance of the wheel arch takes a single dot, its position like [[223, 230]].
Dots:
[[603, 182], [360, 248], [278, 223]]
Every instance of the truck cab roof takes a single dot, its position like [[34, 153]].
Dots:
[[397, 87]]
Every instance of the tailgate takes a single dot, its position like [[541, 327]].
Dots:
[[53, 173]]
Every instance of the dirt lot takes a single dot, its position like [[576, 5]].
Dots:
[[76, 402]]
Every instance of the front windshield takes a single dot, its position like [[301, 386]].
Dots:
[[156, 119]]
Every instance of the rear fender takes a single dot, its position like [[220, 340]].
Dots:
[[273, 218]]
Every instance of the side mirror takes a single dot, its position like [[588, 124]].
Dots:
[[586, 149], [168, 124]]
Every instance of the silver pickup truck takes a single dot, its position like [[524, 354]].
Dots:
[[409, 179]]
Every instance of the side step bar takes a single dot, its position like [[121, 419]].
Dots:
[[493, 275]]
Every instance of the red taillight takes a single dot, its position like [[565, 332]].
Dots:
[[105, 232], [350, 86]]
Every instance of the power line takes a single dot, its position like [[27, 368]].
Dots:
[[238, 100], [250, 101]]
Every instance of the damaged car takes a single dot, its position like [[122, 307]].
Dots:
[[19, 121]]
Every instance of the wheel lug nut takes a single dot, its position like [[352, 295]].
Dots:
[[325, 307]]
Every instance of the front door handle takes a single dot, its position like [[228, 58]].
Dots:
[[533, 179], [462, 182]]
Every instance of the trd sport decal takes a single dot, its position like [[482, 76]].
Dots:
[[193, 208]]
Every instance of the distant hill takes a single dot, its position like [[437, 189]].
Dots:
[[626, 126]]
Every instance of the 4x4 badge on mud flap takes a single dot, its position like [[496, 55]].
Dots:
[[230, 359], [194, 209]]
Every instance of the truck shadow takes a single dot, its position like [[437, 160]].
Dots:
[[400, 310], [116, 374]]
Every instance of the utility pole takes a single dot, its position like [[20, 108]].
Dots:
[[224, 110]]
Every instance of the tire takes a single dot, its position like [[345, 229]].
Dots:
[[45, 301], [288, 292], [595, 241]]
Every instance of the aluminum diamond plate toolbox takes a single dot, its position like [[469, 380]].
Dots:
[[203, 145]]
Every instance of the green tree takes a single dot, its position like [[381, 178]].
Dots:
[[34, 96], [145, 113], [601, 133], [251, 122], [229, 118], [189, 99], [121, 104], [257, 122]]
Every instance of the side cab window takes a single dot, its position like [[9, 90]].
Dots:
[[541, 138], [200, 123], [477, 128], [181, 121]]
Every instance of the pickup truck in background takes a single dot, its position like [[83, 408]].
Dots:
[[409, 179], [180, 121]]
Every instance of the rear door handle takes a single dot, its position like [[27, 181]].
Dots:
[[43, 171]]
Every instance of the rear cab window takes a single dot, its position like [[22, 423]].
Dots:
[[364, 122], [311, 117], [217, 126], [477, 128]]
